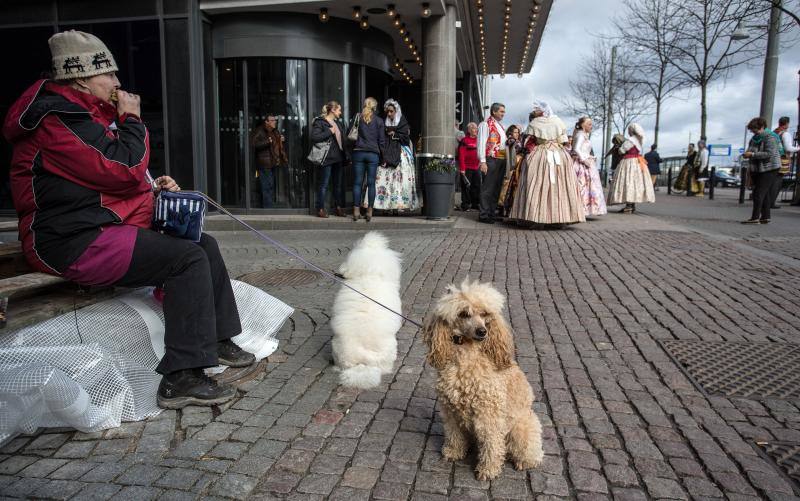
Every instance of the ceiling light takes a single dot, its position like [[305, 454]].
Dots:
[[356, 12], [323, 15], [390, 10], [426, 10], [407, 38], [364, 23], [397, 21]]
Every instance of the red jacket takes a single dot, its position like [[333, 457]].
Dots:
[[73, 172], [468, 154]]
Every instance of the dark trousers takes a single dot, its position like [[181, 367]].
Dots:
[[763, 185], [199, 307], [470, 189], [326, 172], [267, 179], [491, 184], [775, 190]]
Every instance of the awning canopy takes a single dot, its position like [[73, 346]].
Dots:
[[495, 36]]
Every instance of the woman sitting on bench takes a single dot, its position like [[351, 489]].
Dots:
[[84, 198]]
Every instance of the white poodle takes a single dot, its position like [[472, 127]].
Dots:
[[364, 343]]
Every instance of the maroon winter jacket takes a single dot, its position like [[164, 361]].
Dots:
[[73, 172]]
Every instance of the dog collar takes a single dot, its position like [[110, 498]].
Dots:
[[458, 339]]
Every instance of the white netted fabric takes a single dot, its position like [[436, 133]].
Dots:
[[94, 368]]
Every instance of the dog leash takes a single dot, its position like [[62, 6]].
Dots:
[[309, 264]]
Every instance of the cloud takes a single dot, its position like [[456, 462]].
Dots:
[[568, 38]]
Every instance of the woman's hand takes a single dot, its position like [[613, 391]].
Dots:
[[747, 154], [128, 103], [165, 183]]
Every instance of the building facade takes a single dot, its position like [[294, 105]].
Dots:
[[209, 71]]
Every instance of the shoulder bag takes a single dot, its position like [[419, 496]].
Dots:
[[352, 134], [319, 152], [180, 214]]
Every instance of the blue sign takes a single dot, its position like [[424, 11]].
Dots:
[[741, 151], [719, 150]]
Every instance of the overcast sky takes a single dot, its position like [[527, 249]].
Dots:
[[566, 41]]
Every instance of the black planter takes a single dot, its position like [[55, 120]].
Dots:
[[439, 194]]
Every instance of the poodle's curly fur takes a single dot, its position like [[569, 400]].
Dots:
[[484, 394], [364, 343]]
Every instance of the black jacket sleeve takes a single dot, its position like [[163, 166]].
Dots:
[[403, 131], [320, 131]]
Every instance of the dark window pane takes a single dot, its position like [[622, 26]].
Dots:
[[211, 153], [377, 82], [179, 105], [278, 86], [28, 66], [27, 11], [232, 134], [174, 6], [69, 10]]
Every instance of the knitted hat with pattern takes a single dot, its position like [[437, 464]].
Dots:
[[79, 55]]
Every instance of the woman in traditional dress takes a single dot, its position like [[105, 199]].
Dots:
[[547, 192], [688, 173], [631, 184], [514, 155], [589, 185], [395, 182]]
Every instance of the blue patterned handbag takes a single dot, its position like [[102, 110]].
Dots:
[[180, 214]]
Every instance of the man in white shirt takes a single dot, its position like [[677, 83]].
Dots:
[[789, 149], [492, 159]]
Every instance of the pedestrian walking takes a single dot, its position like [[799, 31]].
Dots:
[[653, 164], [470, 174], [396, 179], [91, 223], [589, 185], [632, 184], [789, 149], [547, 192], [492, 158], [764, 154], [270, 152], [367, 154], [327, 130]]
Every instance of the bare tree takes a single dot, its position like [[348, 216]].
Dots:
[[645, 26], [703, 50], [783, 6], [589, 89]]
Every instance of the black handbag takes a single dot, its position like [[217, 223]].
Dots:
[[392, 154]]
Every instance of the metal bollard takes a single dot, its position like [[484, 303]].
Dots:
[[744, 175], [712, 179], [669, 181]]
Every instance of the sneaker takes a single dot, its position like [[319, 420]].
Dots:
[[763, 221], [192, 387], [485, 220], [231, 355], [752, 221]]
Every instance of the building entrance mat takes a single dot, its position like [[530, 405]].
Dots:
[[271, 278], [785, 456], [755, 371]]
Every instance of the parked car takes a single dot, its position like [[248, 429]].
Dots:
[[725, 180]]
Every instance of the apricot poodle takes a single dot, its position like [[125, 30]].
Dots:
[[484, 395]]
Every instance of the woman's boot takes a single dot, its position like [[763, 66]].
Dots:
[[356, 213], [369, 214]]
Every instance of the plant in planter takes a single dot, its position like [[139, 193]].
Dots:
[[439, 174]]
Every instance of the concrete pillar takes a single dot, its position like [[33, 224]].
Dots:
[[439, 82]]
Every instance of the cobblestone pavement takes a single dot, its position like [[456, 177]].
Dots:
[[589, 306]]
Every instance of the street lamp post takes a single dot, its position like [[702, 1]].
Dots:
[[770, 61], [609, 115]]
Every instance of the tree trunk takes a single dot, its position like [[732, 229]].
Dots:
[[658, 120], [703, 110]]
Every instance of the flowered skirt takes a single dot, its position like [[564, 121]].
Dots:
[[396, 188], [632, 183], [547, 192], [590, 188]]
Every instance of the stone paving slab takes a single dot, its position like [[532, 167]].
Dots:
[[588, 306]]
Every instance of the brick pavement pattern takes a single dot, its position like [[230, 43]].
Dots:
[[588, 306]]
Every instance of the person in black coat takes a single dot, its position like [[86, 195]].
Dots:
[[329, 127], [395, 181]]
